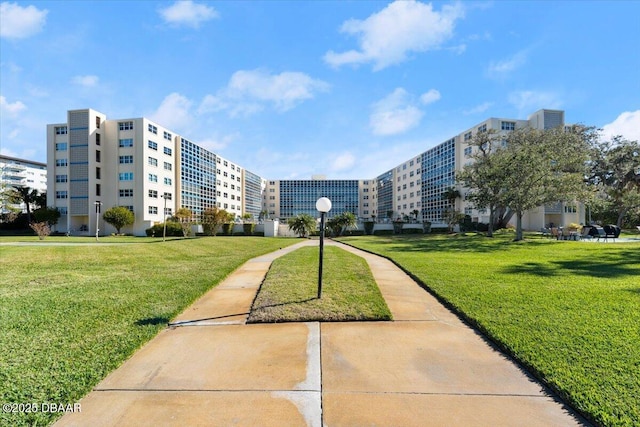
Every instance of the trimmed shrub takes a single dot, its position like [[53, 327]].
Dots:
[[383, 232], [411, 231], [397, 227], [248, 228], [227, 228], [368, 227], [173, 229], [441, 230]]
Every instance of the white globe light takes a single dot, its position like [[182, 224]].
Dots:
[[323, 204]]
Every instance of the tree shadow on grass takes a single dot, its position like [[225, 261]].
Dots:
[[158, 320], [282, 304], [613, 264], [477, 243]]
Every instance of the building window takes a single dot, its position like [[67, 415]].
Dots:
[[167, 136], [467, 151], [97, 139], [482, 128], [61, 195], [153, 178], [467, 136], [167, 211], [61, 162], [153, 145], [508, 125], [61, 146], [63, 210], [61, 178], [98, 156], [167, 181], [167, 151], [153, 129], [126, 159], [152, 161], [98, 122], [125, 125], [98, 189], [128, 142], [98, 173], [61, 130], [153, 210], [167, 196], [167, 166], [125, 176], [126, 192], [153, 194]]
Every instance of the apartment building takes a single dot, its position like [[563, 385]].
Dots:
[[16, 172], [95, 164]]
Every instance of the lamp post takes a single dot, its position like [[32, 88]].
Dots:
[[98, 204], [164, 217], [323, 205]]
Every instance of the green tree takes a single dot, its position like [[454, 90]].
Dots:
[[484, 178], [48, 215], [341, 222], [302, 224], [614, 176], [184, 216], [543, 166], [212, 219], [451, 215], [118, 217], [26, 195]]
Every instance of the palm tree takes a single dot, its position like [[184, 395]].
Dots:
[[302, 224], [450, 195], [26, 195], [451, 215]]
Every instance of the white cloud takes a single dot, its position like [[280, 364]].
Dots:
[[478, 108], [528, 100], [429, 97], [86, 81], [249, 91], [17, 22], [11, 109], [394, 114], [344, 161], [217, 143], [188, 13], [626, 125], [506, 66], [387, 37], [173, 112]]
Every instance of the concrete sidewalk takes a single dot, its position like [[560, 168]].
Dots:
[[424, 368]]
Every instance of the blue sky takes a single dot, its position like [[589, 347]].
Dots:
[[288, 89]]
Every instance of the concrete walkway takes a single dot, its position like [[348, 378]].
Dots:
[[425, 368]]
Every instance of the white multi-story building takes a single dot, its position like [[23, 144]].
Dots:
[[16, 172], [94, 162]]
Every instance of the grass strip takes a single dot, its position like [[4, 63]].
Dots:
[[71, 314], [289, 292], [569, 311]]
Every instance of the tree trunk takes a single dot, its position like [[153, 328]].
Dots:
[[621, 215], [492, 210], [518, 226]]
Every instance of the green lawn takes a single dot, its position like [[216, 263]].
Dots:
[[289, 292], [570, 311], [71, 314]]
